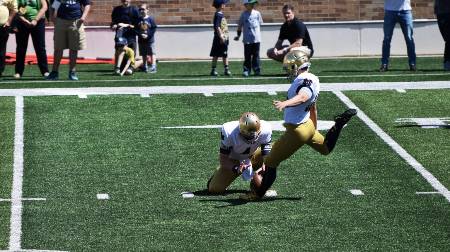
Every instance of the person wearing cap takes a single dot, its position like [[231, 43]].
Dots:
[[249, 24], [294, 31], [219, 47], [442, 11], [8, 9], [31, 21]]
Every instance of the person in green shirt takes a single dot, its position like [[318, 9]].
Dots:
[[31, 21]]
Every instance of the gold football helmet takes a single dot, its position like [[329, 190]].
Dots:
[[249, 126], [297, 58]]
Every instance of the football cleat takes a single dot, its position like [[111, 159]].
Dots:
[[249, 126], [343, 118]]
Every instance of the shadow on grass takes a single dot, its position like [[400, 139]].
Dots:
[[237, 201]]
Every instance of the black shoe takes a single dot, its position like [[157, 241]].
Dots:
[[343, 118], [384, 68], [412, 67]]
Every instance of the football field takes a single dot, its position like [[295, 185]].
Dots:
[[103, 164]]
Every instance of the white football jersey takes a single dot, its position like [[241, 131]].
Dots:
[[237, 147], [308, 83]]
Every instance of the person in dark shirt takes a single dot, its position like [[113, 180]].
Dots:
[[126, 17], [146, 38], [220, 43], [442, 11], [70, 16], [294, 31]]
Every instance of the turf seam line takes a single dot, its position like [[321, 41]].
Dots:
[[16, 192], [433, 181]]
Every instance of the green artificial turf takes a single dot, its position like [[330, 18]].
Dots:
[[76, 148], [340, 70]]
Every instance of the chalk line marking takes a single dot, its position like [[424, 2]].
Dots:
[[276, 126], [356, 192], [433, 181], [220, 89], [187, 195], [103, 196], [421, 193], [24, 199], [221, 78], [16, 192]]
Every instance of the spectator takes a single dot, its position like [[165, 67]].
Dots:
[[126, 17], [125, 59], [294, 31], [69, 33], [442, 11], [220, 41], [31, 21], [8, 9], [398, 11], [146, 38], [250, 21]]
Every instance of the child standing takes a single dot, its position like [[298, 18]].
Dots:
[[250, 23], [220, 41], [146, 38]]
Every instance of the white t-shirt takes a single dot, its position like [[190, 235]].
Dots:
[[237, 147], [397, 5], [251, 26], [308, 83]]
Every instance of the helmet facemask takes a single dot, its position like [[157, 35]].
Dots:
[[249, 127], [296, 59]]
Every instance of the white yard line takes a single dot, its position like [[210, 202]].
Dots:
[[217, 89], [16, 194], [151, 80], [397, 148]]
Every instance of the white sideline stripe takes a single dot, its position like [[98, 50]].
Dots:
[[223, 78], [217, 89], [25, 199], [434, 182], [16, 193]]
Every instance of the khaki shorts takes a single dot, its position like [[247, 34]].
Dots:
[[293, 139], [69, 34], [224, 175]]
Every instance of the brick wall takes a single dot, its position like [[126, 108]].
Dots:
[[201, 11]]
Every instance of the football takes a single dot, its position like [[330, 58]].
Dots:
[[256, 181]]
